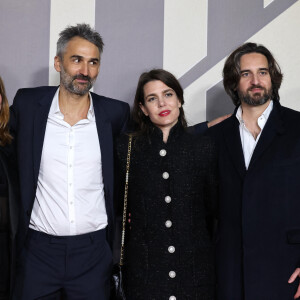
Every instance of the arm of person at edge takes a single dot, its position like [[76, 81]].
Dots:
[[202, 127], [292, 279]]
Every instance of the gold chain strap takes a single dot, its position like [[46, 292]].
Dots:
[[125, 200]]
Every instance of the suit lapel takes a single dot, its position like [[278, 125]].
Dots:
[[234, 145], [40, 122], [273, 127], [106, 143]]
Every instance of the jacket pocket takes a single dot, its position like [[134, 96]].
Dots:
[[293, 236]]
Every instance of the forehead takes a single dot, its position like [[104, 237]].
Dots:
[[81, 47], [253, 61], [155, 86]]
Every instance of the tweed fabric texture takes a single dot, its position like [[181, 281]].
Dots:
[[172, 201]]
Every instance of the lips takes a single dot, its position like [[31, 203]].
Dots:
[[256, 89], [164, 113], [82, 81]]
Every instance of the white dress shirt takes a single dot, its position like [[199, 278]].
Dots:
[[70, 193], [247, 139]]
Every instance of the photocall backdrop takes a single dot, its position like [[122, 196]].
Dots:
[[190, 38]]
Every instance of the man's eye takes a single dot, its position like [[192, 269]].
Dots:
[[93, 63], [169, 94], [245, 74]]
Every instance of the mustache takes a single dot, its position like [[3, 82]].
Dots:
[[256, 86], [82, 77]]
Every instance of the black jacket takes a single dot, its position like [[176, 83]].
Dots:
[[258, 243], [190, 162], [9, 217]]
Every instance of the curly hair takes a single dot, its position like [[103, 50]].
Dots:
[[232, 71], [5, 137]]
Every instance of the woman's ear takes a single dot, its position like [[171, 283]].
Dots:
[[144, 110]]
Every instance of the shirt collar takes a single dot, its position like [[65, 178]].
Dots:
[[55, 111], [264, 115]]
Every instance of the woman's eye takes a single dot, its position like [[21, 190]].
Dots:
[[151, 99]]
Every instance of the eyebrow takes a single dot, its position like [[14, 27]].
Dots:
[[260, 69], [164, 91], [81, 57]]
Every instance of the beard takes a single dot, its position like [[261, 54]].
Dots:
[[256, 99], [74, 87]]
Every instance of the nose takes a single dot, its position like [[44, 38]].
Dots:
[[84, 70], [255, 79], [161, 102]]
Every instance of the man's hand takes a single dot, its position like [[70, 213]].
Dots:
[[217, 120], [292, 279]]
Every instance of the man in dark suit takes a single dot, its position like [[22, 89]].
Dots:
[[64, 137], [258, 240]]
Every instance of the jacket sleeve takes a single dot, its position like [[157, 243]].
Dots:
[[199, 128]]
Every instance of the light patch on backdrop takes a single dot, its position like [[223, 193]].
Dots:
[[185, 34], [267, 2], [285, 48], [195, 94], [63, 14]]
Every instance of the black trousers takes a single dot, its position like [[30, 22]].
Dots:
[[77, 266]]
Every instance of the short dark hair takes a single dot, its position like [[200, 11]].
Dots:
[[80, 30], [143, 123], [5, 137], [232, 71]]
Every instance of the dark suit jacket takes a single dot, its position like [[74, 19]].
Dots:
[[29, 114], [8, 213], [258, 241]]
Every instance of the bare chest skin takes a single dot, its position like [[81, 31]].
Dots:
[[74, 117], [73, 108]]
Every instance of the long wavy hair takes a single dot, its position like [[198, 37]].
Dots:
[[143, 124], [232, 71], [5, 137]]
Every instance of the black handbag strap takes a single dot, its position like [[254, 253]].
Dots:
[[125, 200]]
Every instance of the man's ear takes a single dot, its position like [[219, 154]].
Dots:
[[57, 62]]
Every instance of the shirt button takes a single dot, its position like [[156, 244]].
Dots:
[[70, 166], [165, 175], [72, 221], [162, 152], [168, 224], [71, 147], [168, 199], [172, 274], [171, 249], [172, 298]]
